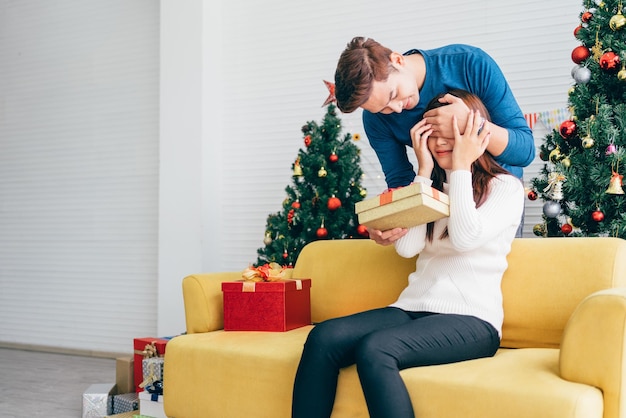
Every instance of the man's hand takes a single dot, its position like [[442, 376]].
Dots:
[[440, 118]]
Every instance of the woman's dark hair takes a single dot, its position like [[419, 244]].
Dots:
[[484, 168]]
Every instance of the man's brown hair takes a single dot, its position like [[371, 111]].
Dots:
[[360, 64]]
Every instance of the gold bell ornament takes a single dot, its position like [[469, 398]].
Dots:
[[615, 185], [297, 168], [554, 189]]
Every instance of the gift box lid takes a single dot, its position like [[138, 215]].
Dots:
[[394, 195], [403, 207], [279, 286]]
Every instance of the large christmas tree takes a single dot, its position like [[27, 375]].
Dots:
[[581, 182], [326, 184]]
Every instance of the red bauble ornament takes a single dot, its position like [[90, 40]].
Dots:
[[578, 28], [290, 216], [580, 53], [609, 61], [566, 229], [296, 204], [334, 203], [597, 215], [586, 17], [307, 140], [362, 230], [568, 129], [322, 232], [333, 158], [285, 254], [532, 195]]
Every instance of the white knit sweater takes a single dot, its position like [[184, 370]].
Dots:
[[461, 274]]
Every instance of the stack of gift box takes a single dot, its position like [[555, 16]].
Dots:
[[138, 389]]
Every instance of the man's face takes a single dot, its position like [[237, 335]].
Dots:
[[398, 93]]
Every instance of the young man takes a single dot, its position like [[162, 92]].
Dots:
[[393, 90]]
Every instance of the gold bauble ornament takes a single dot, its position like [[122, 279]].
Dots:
[[322, 172], [268, 238], [621, 74], [539, 230], [555, 155], [588, 142], [617, 22], [566, 162]]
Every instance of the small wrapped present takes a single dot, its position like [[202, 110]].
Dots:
[[125, 402], [404, 207], [98, 400], [278, 305], [151, 405], [152, 371], [146, 348]]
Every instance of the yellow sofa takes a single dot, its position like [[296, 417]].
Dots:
[[563, 350]]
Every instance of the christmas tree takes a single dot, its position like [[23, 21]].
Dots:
[[581, 181], [326, 184]]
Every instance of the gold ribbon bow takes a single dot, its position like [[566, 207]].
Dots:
[[270, 272]]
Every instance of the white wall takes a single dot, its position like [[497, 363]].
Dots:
[[237, 80]]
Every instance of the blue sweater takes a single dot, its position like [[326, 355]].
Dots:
[[452, 67]]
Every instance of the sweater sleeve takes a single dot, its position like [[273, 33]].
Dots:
[[495, 92], [414, 241], [470, 227], [390, 152]]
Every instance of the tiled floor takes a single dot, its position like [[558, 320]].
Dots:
[[35, 384]]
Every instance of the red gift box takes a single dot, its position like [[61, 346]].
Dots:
[[267, 306], [141, 351]]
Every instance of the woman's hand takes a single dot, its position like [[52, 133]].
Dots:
[[419, 136], [387, 237], [440, 118], [472, 143]]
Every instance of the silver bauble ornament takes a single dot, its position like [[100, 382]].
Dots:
[[582, 75], [551, 209]]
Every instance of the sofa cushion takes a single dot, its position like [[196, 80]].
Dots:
[[240, 370], [515, 383], [243, 369]]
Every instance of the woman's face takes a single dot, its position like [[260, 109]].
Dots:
[[441, 149]]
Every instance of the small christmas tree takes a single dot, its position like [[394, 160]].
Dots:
[[581, 182], [320, 201]]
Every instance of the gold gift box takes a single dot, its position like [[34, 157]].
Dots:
[[403, 207]]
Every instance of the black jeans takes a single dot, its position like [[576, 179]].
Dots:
[[382, 342]]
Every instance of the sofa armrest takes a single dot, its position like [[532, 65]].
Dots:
[[593, 347], [204, 303]]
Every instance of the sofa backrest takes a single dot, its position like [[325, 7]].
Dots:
[[545, 280], [548, 277]]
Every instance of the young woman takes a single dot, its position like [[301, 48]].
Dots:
[[451, 309]]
